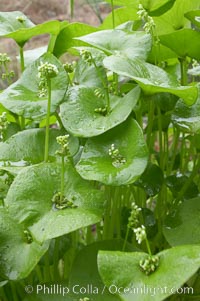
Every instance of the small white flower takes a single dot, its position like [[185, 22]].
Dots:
[[140, 234]]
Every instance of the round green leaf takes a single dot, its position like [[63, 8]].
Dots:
[[187, 117], [29, 145], [151, 79], [17, 256], [182, 226], [22, 97], [22, 31], [78, 112], [29, 201], [122, 270], [151, 180], [65, 39], [83, 273], [131, 44], [180, 42], [194, 17], [97, 164]]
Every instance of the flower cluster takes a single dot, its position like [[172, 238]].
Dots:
[[133, 220], [149, 22], [69, 67], [3, 122], [117, 158], [61, 202], [4, 61], [46, 71], [86, 56], [63, 141], [150, 264], [21, 19], [140, 234], [99, 93]]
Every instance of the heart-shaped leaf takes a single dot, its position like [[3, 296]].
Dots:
[[194, 17], [22, 97], [78, 112], [17, 26], [122, 274], [151, 79], [65, 39], [28, 146], [30, 201], [187, 117], [18, 253], [97, 164], [131, 44], [182, 226], [180, 42]]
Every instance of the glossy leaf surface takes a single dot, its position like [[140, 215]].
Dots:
[[151, 78], [29, 201], [78, 112], [176, 266], [97, 164], [22, 96]]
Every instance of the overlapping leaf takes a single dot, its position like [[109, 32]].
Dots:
[[151, 79], [17, 256], [182, 226], [17, 26], [97, 164], [22, 97], [122, 269], [78, 112], [130, 43], [28, 146], [29, 201]]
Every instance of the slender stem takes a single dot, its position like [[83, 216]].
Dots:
[[148, 247], [174, 149], [113, 14], [150, 122], [184, 78], [126, 238], [21, 53], [62, 178], [46, 151]]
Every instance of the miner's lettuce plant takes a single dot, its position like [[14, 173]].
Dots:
[[100, 157]]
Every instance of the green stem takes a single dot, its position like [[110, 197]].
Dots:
[[21, 53], [150, 123], [148, 247], [62, 178], [14, 293], [184, 78], [174, 150], [46, 151], [126, 238], [56, 274], [113, 14]]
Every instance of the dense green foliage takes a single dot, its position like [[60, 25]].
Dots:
[[100, 158]]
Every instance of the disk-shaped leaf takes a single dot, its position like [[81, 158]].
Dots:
[[78, 112], [29, 201], [151, 79], [122, 270], [83, 273], [194, 17], [29, 145], [17, 26], [18, 257], [187, 117], [151, 180], [97, 164], [182, 226], [65, 39], [180, 42], [131, 44], [22, 97]]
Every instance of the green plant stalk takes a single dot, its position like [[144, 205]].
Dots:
[[46, 150], [126, 238], [21, 54], [174, 150], [62, 182], [148, 247], [184, 78], [56, 274], [52, 43], [160, 138], [113, 14], [150, 123]]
